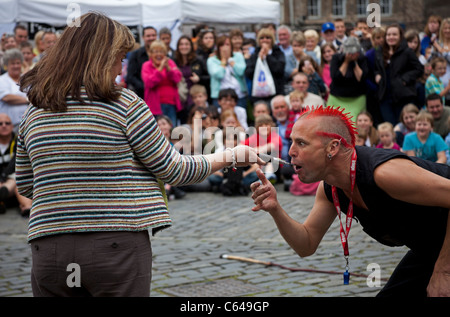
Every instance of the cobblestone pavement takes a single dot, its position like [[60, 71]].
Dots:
[[187, 258]]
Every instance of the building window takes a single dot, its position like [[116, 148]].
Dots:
[[313, 8], [338, 8], [386, 7], [361, 7]]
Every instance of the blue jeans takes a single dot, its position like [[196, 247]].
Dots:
[[170, 111], [391, 111]]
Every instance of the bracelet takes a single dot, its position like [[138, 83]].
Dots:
[[233, 164]]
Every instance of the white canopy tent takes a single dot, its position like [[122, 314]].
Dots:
[[8, 14], [157, 11], [8, 11], [57, 12], [159, 14], [143, 12], [231, 11]]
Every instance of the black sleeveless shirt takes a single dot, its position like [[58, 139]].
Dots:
[[390, 221]]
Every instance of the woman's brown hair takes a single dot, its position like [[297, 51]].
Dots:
[[201, 35], [221, 42], [83, 56], [191, 55], [386, 55], [432, 18]]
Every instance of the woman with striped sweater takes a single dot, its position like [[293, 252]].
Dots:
[[92, 158]]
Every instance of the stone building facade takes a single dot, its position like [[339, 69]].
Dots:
[[303, 14]]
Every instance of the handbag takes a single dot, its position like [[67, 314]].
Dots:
[[182, 90], [263, 84]]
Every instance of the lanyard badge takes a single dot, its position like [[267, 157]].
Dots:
[[348, 223]]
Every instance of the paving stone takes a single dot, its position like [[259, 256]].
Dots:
[[207, 225]]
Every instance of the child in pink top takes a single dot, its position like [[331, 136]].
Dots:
[[387, 136]]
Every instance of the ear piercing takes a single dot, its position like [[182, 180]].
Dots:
[[330, 157]]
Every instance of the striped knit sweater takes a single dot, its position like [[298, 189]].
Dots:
[[95, 167]]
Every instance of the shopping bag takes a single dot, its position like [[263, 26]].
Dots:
[[263, 84]]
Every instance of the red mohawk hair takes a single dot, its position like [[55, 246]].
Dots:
[[345, 118]]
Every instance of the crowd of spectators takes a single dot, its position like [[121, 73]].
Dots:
[[395, 83]]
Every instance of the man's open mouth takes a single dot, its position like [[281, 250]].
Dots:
[[296, 168]]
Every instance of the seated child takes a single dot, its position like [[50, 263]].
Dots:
[[232, 182], [425, 143], [361, 137], [296, 99], [434, 84], [364, 121], [165, 125], [228, 99], [387, 136], [199, 96], [267, 141]]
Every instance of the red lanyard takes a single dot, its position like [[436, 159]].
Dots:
[[348, 223]]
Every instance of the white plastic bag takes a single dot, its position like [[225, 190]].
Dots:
[[263, 84]]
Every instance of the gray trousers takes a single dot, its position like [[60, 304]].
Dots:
[[97, 264]]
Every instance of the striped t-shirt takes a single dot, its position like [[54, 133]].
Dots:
[[95, 167]]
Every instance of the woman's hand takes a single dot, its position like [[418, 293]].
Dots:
[[238, 156], [245, 156], [225, 53], [164, 64], [308, 68], [264, 50], [194, 78], [351, 57], [377, 78]]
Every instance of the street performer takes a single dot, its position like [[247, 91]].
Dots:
[[397, 199]]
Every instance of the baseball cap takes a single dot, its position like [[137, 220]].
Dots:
[[327, 27]]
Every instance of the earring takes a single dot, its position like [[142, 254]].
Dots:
[[330, 157]]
